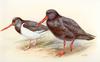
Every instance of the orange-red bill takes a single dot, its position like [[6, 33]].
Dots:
[[6, 27], [44, 19], [39, 24]]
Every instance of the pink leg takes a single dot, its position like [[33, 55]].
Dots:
[[62, 52], [27, 46], [71, 45], [31, 44], [64, 43]]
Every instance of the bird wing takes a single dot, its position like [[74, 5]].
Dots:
[[31, 25], [72, 25]]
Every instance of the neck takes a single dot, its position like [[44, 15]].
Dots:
[[18, 27]]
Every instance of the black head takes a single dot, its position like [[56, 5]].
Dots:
[[17, 20], [52, 14]]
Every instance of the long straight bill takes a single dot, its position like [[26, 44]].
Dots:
[[44, 19], [6, 27]]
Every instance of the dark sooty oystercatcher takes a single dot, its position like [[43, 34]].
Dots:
[[64, 28], [28, 29]]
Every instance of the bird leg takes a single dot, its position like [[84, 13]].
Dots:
[[64, 42], [71, 45], [31, 43], [28, 46], [62, 52]]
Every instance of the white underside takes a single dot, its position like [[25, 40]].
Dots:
[[30, 34]]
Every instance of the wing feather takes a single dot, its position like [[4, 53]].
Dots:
[[72, 26], [31, 25]]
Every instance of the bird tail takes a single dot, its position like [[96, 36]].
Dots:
[[86, 37], [90, 37]]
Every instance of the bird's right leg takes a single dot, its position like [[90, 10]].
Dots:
[[33, 42], [71, 45], [30, 44], [27, 46]]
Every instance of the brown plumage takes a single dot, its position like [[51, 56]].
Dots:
[[65, 28]]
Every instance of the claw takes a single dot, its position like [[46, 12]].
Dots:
[[30, 45], [26, 47], [71, 47], [60, 53]]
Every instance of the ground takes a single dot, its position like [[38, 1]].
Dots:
[[46, 50]]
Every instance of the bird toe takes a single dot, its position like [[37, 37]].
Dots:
[[60, 53]]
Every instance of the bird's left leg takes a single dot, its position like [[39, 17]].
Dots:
[[33, 43], [64, 42], [27, 46], [62, 52], [71, 45], [30, 44]]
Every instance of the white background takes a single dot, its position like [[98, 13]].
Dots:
[[84, 12]]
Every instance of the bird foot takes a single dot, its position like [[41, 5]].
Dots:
[[71, 47], [26, 47], [60, 53]]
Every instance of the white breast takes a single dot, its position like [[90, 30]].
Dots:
[[30, 34]]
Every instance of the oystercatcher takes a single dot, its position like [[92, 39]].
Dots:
[[28, 29], [64, 28]]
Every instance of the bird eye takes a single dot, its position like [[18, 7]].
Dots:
[[48, 13]]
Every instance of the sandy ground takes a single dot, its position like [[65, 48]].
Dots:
[[12, 44], [13, 50]]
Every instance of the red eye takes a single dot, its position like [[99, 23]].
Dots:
[[13, 21]]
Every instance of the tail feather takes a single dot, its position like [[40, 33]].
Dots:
[[86, 37], [90, 37]]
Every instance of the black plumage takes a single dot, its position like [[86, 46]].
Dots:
[[28, 29], [31, 25], [65, 28]]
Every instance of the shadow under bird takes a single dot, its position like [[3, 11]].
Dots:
[[64, 28], [28, 29]]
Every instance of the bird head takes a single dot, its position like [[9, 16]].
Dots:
[[15, 21], [52, 14]]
